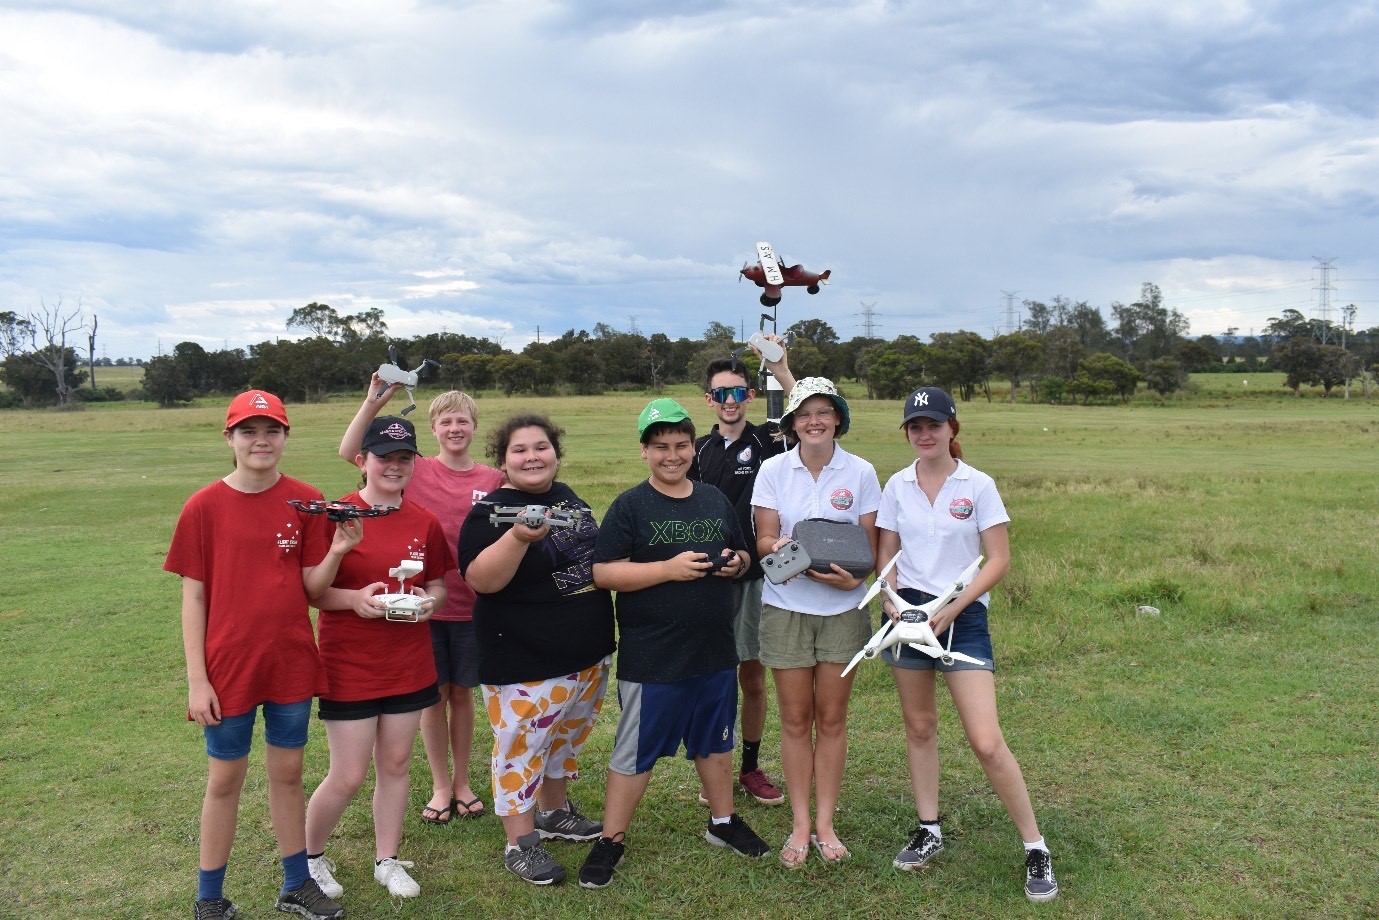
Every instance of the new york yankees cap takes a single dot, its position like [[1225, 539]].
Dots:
[[929, 402]]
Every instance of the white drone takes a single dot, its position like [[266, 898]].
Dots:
[[393, 373], [912, 628], [402, 607]]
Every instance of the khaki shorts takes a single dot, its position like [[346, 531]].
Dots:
[[747, 619], [802, 640]]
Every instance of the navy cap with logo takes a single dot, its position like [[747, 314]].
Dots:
[[388, 434], [929, 402]]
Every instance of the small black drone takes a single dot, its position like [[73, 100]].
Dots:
[[531, 515], [339, 511]]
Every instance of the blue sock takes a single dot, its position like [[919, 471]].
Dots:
[[210, 884], [295, 872]]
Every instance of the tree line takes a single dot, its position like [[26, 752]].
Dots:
[[1064, 351]]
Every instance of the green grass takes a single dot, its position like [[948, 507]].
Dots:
[[1214, 761]]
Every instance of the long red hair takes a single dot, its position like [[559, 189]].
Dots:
[[954, 448]]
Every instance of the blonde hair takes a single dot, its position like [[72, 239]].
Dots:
[[453, 401]]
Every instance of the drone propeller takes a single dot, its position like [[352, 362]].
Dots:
[[876, 585]]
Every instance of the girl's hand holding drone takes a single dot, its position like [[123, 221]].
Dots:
[[347, 536]]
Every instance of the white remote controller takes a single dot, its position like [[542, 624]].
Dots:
[[770, 350], [402, 607]]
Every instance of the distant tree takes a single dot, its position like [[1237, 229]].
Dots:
[[1015, 356], [1063, 352], [959, 361], [227, 370], [816, 330], [303, 370], [49, 329], [32, 381], [806, 359], [472, 372], [1089, 327], [1164, 375], [1038, 317], [1121, 376], [15, 333], [582, 369], [1197, 357], [1338, 367], [1299, 357], [718, 332], [894, 369], [167, 382], [195, 364], [517, 373]]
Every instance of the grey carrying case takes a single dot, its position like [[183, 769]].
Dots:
[[835, 542]]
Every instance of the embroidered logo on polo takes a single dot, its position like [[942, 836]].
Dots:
[[745, 455], [961, 508], [841, 499], [396, 432], [686, 531]]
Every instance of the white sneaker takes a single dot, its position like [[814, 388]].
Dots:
[[321, 868], [392, 874]]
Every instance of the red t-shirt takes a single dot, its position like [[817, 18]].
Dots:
[[248, 550], [449, 494], [368, 659]]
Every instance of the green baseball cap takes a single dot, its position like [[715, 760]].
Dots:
[[658, 411]]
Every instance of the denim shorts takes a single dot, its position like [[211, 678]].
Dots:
[[456, 652], [970, 636], [284, 726]]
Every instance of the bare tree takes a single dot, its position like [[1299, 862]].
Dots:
[[91, 349], [53, 326]]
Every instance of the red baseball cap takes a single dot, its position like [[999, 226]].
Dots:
[[255, 403]]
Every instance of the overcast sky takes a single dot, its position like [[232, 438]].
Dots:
[[195, 171]]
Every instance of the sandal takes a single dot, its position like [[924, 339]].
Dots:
[[829, 852], [439, 816], [793, 857], [474, 808]]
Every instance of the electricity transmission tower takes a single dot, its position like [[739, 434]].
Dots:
[[1010, 309], [868, 318], [1324, 290]]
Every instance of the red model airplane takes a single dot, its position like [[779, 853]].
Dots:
[[768, 274]]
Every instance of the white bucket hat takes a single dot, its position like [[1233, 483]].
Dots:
[[817, 386]]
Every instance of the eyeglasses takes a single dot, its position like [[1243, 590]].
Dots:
[[822, 415], [721, 394]]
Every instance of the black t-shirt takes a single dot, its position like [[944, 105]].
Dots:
[[549, 620], [677, 629], [733, 468]]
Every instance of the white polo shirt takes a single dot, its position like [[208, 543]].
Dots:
[[846, 489], [941, 539]]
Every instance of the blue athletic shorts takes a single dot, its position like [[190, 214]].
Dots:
[[657, 718], [971, 636], [456, 652], [284, 726]]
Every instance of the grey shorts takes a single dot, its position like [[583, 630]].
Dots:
[[747, 619], [802, 640]]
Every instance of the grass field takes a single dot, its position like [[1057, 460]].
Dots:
[[1217, 760]]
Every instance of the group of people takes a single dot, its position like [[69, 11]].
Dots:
[[530, 606]]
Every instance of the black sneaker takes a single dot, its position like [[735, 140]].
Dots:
[[923, 846], [310, 901], [1040, 885], [532, 863], [214, 909], [567, 824], [738, 837], [603, 858]]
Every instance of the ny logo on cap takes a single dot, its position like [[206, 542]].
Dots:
[[921, 399], [396, 432]]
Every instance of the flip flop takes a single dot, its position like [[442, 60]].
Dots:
[[438, 816], [470, 811], [793, 857], [829, 852]]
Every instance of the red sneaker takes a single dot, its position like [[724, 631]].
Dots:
[[761, 788]]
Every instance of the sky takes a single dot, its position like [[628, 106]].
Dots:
[[195, 171]]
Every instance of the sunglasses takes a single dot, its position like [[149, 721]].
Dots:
[[721, 394]]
